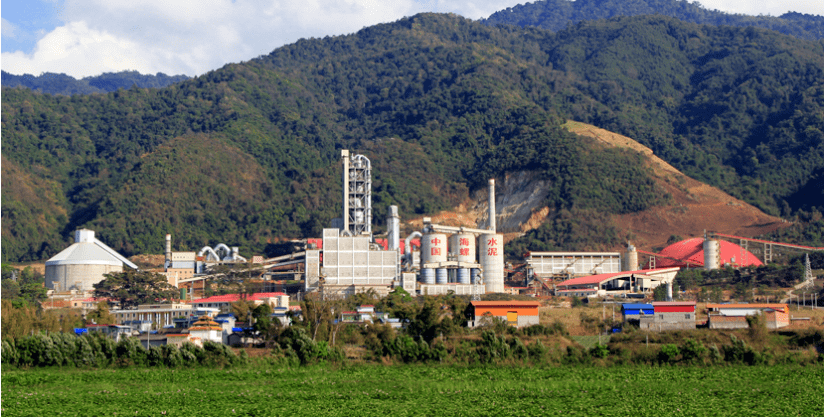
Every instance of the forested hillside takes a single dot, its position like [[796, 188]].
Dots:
[[557, 15], [52, 83], [249, 153]]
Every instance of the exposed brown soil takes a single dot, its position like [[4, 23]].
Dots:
[[696, 207]]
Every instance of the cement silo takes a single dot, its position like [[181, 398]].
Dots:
[[631, 259], [712, 254], [462, 247], [433, 251], [492, 261], [83, 264]]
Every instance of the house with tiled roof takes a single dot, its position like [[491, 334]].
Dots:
[[224, 302]]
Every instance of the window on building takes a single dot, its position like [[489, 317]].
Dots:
[[661, 316], [687, 316]]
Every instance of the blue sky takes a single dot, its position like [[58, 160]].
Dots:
[[89, 37]]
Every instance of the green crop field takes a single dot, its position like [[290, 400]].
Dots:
[[417, 390]]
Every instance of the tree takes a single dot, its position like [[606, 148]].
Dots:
[[101, 314], [132, 288]]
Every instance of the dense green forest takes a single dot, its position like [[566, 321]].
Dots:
[[557, 15], [248, 154], [52, 83]]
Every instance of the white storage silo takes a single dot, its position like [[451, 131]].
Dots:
[[712, 254], [492, 261], [462, 247], [433, 250]]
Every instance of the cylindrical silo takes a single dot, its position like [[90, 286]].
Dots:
[[464, 276], [462, 247], [712, 257], [631, 259], [492, 261], [433, 248], [428, 275], [441, 276], [476, 276]]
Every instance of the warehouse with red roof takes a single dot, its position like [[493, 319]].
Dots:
[[616, 282], [690, 253]]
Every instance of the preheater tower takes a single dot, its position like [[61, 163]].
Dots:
[[357, 194]]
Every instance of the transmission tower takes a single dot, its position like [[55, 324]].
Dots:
[[808, 272]]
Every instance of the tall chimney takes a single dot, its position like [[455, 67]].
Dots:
[[168, 249], [492, 225], [344, 156], [393, 224]]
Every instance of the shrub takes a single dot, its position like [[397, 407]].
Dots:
[[599, 351], [693, 351], [669, 353]]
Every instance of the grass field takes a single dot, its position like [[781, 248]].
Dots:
[[417, 390]]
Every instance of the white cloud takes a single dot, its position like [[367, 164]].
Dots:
[[192, 37], [9, 29], [765, 7]]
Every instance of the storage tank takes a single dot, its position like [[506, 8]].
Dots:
[[476, 276], [428, 275], [462, 247], [433, 248], [82, 264], [631, 259], [442, 276], [712, 254], [492, 261]]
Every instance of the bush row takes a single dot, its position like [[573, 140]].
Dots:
[[97, 350]]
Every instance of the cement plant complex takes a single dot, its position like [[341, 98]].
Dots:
[[350, 258]]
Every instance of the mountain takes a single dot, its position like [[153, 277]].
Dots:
[[248, 154], [557, 15], [52, 83]]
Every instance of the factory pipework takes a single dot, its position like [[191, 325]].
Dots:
[[408, 247]]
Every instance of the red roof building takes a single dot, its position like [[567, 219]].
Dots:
[[690, 253], [274, 299], [516, 313]]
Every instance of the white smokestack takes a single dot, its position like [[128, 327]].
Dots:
[[393, 224], [492, 225], [168, 248]]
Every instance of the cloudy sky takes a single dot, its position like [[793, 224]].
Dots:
[[88, 37]]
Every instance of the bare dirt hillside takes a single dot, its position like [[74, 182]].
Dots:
[[695, 206]]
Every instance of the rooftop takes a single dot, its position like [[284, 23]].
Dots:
[[597, 279], [231, 298]]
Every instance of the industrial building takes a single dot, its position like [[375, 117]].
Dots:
[[223, 303], [83, 264], [617, 283], [572, 264], [669, 315], [349, 259], [704, 253], [515, 313], [631, 313], [734, 316]]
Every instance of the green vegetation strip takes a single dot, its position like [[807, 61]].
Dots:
[[417, 390]]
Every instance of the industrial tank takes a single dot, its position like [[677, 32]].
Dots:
[[631, 259], [712, 255], [81, 265], [433, 250], [462, 247], [492, 261]]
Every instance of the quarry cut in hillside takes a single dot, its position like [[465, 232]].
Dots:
[[694, 207]]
